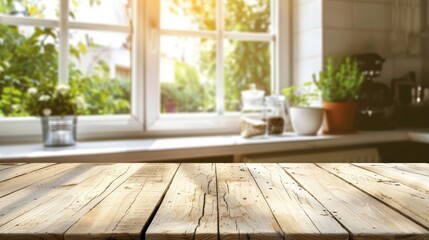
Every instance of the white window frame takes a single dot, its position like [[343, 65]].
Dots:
[[145, 118], [220, 121]]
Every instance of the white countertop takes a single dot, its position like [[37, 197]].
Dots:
[[194, 147]]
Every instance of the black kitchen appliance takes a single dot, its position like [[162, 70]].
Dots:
[[375, 104], [411, 102]]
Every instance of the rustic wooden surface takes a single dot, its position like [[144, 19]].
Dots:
[[189, 210], [211, 201]]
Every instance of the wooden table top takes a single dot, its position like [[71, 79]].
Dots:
[[211, 201]]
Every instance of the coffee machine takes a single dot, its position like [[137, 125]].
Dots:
[[375, 105]]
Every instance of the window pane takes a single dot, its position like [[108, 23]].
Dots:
[[47, 9], [187, 74], [245, 63], [248, 15], [29, 57], [113, 12], [100, 63], [188, 14]]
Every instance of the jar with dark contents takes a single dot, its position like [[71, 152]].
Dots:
[[275, 114], [252, 120]]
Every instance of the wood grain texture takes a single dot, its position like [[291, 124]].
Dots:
[[405, 175], [13, 172], [189, 209], [4, 166], [17, 183], [22, 201], [124, 213], [417, 168], [362, 215], [298, 213], [68, 205], [411, 202], [243, 211]]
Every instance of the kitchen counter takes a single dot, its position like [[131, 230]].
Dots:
[[178, 149], [212, 201]]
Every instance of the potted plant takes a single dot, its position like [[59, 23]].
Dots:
[[340, 88], [58, 107], [305, 120]]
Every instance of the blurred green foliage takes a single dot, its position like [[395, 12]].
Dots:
[[32, 60], [29, 58], [244, 62]]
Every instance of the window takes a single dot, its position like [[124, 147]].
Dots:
[[207, 52], [145, 67]]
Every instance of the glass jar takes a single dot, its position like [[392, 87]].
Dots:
[[252, 120], [59, 131], [275, 114]]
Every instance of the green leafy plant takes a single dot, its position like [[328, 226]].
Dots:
[[342, 84], [59, 100], [303, 96]]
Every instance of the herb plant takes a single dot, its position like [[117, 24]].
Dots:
[[303, 96], [342, 84]]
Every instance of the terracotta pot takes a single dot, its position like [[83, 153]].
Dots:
[[340, 117]]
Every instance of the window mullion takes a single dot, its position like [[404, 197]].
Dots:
[[64, 42], [220, 89], [26, 21]]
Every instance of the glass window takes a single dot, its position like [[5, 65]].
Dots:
[[99, 60], [45, 9], [248, 16], [246, 63], [188, 14], [189, 73], [110, 12], [187, 76], [100, 63], [29, 57]]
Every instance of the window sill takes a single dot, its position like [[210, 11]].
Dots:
[[179, 149]]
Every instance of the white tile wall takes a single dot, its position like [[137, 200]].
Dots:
[[307, 39], [361, 26], [308, 44], [307, 16], [306, 68]]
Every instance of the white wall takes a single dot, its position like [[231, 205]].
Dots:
[[361, 26], [338, 28], [307, 39]]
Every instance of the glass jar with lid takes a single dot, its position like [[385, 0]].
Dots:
[[252, 120], [275, 114]]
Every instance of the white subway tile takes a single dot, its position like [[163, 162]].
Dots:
[[308, 44], [368, 15], [337, 14], [308, 16]]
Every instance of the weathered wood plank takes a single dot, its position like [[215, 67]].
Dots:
[[21, 170], [17, 183], [59, 213], [22, 201], [411, 202], [4, 166], [362, 215], [124, 213], [189, 210], [299, 214], [417, 168], [404, 175], [243, 211]]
